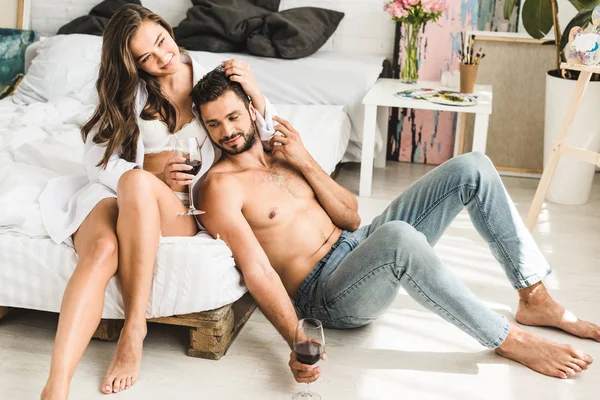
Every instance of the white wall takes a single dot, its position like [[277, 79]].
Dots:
[[366, 28]]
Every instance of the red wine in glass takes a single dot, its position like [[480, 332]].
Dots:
[[190, 149], [195, 164], [308, 352]]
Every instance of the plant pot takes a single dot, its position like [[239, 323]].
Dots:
[[572, 181]]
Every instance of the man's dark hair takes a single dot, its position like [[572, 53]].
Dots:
[[215, 84]]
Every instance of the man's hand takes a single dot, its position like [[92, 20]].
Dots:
[[289, 144], [305, 373]]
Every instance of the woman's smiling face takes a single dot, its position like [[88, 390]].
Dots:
[[154, 50]]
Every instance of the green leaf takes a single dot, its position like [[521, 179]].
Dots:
[[537, 17], [585, 4], [509, 7], [582, 19]]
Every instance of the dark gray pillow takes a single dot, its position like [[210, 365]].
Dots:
[[271, 5], [108, 7], [95, 22], [228, 23], [295, 33], [212, 43]]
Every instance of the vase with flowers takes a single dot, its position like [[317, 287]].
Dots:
[[414, 15]]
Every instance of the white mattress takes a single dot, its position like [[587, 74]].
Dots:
[[42, 140], [190, 275]]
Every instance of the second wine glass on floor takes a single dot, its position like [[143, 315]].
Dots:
[[190, 149]]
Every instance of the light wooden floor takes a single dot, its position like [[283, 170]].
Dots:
[[409, 353]]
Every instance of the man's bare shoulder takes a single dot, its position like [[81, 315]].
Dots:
[[220, 180], [216, 181]]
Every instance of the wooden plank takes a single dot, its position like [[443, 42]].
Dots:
[[3, 311], [519, 170], [197, 320], [583, 155], [211, 332], [242, 311], [558, 149], [580, 67], [213, 347], [108, 329], [20, 9], [510, 39], [461, 131]]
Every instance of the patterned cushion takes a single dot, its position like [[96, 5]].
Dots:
[[13, 43]]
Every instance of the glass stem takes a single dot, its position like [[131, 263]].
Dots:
[[191, 190], [307, 387]]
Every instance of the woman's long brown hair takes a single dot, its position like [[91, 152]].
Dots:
[[116, 114]]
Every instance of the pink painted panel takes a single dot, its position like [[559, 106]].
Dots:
[[428, 136]]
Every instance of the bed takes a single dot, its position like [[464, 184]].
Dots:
[[196, 283]]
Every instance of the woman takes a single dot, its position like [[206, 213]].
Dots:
[[133, 190]]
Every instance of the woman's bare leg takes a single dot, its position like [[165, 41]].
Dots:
[[147, 207], [83, 300]]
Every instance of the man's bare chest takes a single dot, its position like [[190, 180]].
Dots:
[[277, 195]]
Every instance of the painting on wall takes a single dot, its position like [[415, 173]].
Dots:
[[420, 136], [498, 15], [13, 43]]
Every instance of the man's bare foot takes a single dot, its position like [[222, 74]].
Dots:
[[538, 308], [124, 368], [55, 390], [542, 355]]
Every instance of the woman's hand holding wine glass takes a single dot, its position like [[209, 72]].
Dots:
[[186, 164], [177, 172]]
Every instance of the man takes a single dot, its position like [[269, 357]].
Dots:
[[294, 233]]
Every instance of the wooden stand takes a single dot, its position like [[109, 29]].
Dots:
[[3, 311], [560, 147], [211, 332]]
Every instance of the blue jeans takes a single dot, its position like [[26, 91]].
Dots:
[[360, 277]]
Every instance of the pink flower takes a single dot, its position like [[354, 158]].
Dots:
[[396, 10], [432, 6]]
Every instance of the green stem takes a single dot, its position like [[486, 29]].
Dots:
[[410, 72]]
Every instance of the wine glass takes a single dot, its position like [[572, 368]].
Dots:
[[309, 345], [189, 148]]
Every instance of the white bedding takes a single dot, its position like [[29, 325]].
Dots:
[[324, 78], [42, 140]]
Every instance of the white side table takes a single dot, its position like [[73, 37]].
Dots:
[[382, 95]]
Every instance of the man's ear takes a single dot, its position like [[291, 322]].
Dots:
[[252, 110]]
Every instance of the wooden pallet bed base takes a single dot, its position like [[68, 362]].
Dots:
[[3, 311], [211, 332]]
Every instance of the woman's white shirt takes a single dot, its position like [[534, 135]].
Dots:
[[67, 200]]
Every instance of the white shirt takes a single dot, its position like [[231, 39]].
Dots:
[[67, 200]]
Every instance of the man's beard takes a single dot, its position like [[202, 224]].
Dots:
[[249, 139]]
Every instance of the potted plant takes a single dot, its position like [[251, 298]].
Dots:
[[573, 179]]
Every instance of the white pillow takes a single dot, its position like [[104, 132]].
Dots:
[[65, 65]]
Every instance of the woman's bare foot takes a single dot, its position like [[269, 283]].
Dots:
[[542, 355], [538, 308], [124, 368], [55, 390]]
